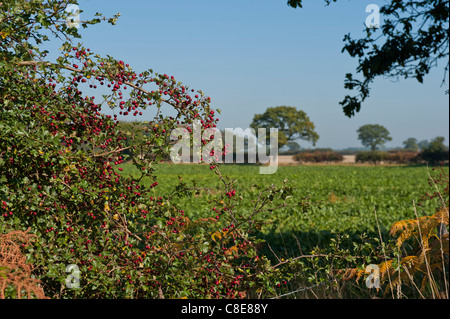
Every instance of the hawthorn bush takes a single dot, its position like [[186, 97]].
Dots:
[[59, 181]]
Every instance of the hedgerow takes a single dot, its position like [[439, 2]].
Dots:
[[99, 234]]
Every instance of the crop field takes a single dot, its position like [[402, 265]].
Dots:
[[344, 199]]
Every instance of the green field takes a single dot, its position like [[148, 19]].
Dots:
[[345, 198]]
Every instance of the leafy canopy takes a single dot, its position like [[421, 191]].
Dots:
[[411, 144], [373, 135], [291, 123], [436, 151], [413, 39]]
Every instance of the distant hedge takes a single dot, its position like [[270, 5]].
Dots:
[[434, 157], [402, 157], [318, 156], [399, 157], [371, 156]]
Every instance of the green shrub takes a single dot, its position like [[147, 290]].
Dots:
[[434, 157], [371, 156], [318, 157], [436, 152]]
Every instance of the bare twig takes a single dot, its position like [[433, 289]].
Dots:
[[302, 289]]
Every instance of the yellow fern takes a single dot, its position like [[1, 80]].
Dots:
[[427, 260]]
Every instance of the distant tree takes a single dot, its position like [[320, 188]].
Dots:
[[292, 124], [411, 144], [411, 41], [423, 144], [373, 135], [436, 151], [293, 146], [437, 144]]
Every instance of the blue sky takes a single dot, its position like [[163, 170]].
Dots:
[[249, 55]]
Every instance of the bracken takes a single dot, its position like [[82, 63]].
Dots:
[[14, 269]]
